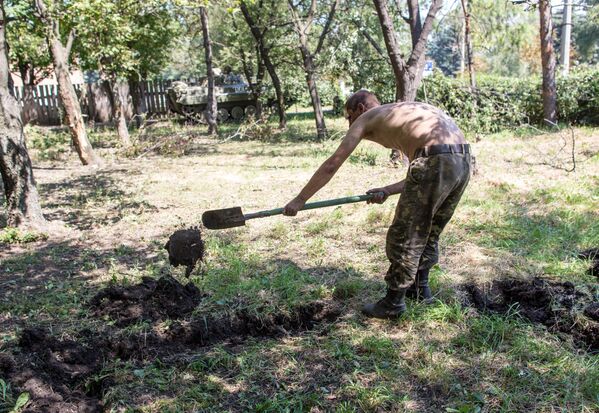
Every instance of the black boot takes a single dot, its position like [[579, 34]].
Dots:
[[420, 289], [391, 306]]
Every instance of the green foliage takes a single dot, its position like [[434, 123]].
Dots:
[[15, 236], [123, 38], [25, 35], [507, 102]]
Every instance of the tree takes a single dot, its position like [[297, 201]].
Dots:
[[302, 28], [29, 51], [468, 43], [49, 15], [586, 31], [408, 73], [260, 26], [244, 56], [15, 165], [548, 63], [211, 111]]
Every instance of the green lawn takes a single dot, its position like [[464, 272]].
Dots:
[[522, 216]]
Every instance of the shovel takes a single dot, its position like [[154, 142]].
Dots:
[[233, 217]]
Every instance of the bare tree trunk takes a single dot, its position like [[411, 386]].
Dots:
[[28, 112], [548, 63], [310, 70], [248, 71], [468, 43], [258, 35], [408, 74], [112, 88], [84, 149], [566, 37], [211, 111], [15, 165], [137, 101], [302, 29], [119, 115]]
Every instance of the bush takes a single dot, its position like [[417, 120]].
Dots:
[[503, 102]]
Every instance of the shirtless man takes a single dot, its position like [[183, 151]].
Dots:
[[437, 176]]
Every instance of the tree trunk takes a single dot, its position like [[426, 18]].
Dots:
[[548, 63], [119, 115], [211, 108], [408, 74], [310, 69], [270, 67], [22, 199], [28, 112], [468, 43], [137, 101], [566, 37], [84, 149]]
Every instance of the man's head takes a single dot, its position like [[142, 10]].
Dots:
[[358, 103]]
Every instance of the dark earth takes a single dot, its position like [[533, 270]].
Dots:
[[592, 254], [185, 247], [63, 373], [558, 306]]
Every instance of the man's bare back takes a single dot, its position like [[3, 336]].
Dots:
[[408, 126]]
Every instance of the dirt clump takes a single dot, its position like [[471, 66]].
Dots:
[[185, 247], [592, 254], [592, 311], [149, 300], [54, 372], [553, 304]]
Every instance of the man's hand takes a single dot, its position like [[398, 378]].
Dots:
[[380, 195], [295, 205]]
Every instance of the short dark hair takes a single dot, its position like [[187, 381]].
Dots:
[[363, 96]]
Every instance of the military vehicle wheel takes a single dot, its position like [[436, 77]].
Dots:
[[223, 115], [192, 115], [237, 113], [250, 110]]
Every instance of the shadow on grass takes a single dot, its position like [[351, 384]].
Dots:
[[525, 230], [54, 278], [91, 200]]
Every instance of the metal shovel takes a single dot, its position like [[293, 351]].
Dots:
[[234, 217]]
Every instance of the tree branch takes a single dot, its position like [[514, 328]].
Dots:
[[371, 40], [327, 27], [415, 21], [420, 46], [397, 61], [70, 41]]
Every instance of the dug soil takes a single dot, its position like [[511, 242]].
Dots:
[[559, 306], [63, 373]]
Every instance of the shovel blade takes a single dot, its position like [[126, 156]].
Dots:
[[223, 218]]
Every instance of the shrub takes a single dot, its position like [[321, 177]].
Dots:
[[506, 102]]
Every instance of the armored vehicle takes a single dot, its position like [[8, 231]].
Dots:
[[233, 97]]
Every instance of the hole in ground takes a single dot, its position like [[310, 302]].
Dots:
[[558, 306]]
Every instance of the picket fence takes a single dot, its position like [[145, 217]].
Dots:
[[47, 109]]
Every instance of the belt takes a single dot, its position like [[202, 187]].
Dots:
[[439, 149]]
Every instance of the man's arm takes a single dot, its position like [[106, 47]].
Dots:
[[381, 194], [328, 169]]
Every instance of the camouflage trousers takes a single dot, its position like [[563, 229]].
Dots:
[[433, 187]]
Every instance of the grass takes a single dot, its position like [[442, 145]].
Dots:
[[518, 218]]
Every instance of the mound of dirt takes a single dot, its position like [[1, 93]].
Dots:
[[54, 372], [61, 374], [185, 247], [591, 254], [149, 300], [555, 305], [203, 330]]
